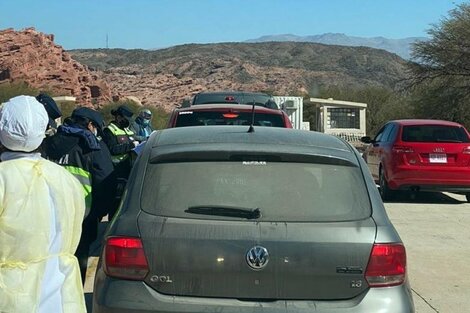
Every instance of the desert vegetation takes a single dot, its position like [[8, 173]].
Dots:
[[10, 90]]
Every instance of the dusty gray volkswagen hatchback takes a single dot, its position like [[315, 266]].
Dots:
[[219, 219]]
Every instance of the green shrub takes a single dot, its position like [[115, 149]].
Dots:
[[10, 90], [159, 117]]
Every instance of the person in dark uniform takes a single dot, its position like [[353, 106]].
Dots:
[[78, 148], [53, 112], [121, 142]]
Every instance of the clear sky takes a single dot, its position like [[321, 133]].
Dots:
[[161, 23]]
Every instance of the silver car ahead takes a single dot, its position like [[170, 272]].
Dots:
[[219, 219]]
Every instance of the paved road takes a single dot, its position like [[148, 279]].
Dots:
[[435, 230]]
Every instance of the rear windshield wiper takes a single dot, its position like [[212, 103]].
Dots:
[[225, 211]]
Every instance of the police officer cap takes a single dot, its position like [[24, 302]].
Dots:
[[50, 105], [90, 114], [123, 111]]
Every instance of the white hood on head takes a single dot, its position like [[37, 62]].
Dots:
[[23, 122]]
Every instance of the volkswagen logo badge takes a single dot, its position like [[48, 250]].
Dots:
[[257, 257]]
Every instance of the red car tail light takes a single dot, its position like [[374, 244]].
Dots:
[[387, 265], [466, 150], [124, 257], [402, 149]]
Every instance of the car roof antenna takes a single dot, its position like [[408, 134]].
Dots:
[[252, 129]]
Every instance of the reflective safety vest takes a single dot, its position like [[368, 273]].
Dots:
[[84, 178], [118, 132]]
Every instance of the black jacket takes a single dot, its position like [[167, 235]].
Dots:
[[73, 146], [117, 144], [120, 145]]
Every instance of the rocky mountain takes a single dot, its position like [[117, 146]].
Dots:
[[402, 46], [33, 57], [165, 77]]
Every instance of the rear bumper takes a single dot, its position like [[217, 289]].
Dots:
[[454, 179], [119, 296]]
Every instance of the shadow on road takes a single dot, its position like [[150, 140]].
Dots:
[[424, 197], [95, 251]]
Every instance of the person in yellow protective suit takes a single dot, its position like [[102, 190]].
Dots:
[[42, 207]]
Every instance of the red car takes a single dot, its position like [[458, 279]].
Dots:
[[228, 114], [430, 155]]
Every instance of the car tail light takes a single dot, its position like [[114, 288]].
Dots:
[[124, 257], [229, 98], [387, 265], [230, 115], [466, 150], [402, 149]]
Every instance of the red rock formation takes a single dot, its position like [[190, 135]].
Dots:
[[32, 57], [168, 90]]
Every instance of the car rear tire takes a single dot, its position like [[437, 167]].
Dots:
[[385, 192]]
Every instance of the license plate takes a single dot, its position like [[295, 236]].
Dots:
[[437, 158]]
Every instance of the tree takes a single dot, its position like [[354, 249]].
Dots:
[[440, 73]]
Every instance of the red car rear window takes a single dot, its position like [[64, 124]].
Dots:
[[195, 118], [434, 133]]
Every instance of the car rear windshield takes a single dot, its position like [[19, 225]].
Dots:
[[195, 118], [281, 191], [258, 99], [434, 133]]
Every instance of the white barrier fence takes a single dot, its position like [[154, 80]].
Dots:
[[353, 139]]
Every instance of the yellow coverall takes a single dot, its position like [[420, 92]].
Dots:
[[41, 213]]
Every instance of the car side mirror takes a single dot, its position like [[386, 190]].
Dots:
[[366, 139]]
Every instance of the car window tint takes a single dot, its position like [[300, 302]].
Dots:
[[282, 191], [379, 135], [216, 98], [208, 118], [434, 133], [386, 133], [393, 133], [258, 99]]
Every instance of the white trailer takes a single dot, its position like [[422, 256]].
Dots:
[[294, 107]]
